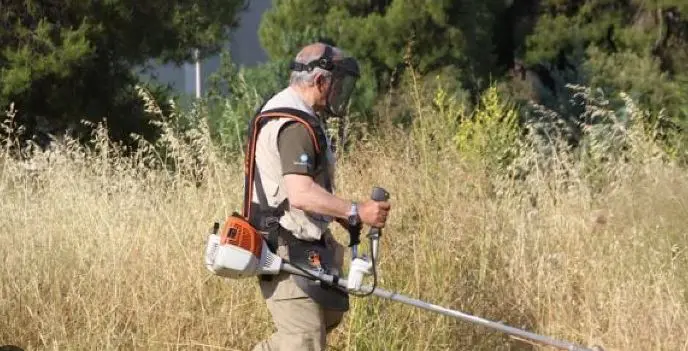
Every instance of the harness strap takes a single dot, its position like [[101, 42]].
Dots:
[[250, 169]]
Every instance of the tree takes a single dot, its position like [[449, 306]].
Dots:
[[637, 46], [443, 33], [62, 61], [535, 47]]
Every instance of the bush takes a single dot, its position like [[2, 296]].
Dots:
[[490, 135]]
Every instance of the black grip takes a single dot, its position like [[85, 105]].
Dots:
[[354, 235], [379, 194]]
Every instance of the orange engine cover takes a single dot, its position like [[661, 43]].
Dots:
[[237, 231]]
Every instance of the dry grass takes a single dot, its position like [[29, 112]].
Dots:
[[100, 252]]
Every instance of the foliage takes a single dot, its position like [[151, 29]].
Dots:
[[598, 43], [235, 94], [444, 33], [124, 235], [638, 47], [64, 61], [62, 64], [490, 135]]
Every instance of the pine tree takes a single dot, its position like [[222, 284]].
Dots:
[[441, 33], [636, 46], [64, 61]]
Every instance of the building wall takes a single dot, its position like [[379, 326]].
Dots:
[[244, 48]]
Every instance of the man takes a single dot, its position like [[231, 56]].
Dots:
[[294, 202]]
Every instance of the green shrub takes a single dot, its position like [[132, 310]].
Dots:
[[490, 134]]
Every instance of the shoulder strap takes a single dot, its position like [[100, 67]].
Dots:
[[255, 125]]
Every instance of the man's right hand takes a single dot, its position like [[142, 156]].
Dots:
[[374, 213]]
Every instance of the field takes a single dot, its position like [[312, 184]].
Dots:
[[101, 252]]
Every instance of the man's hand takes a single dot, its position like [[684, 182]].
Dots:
[[305, 194], [374, 213]]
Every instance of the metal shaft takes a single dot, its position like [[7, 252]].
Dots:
[[329, 279]]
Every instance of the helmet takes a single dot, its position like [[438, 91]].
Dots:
[[345, 73]]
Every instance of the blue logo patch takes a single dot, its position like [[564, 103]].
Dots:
[[303, 160]]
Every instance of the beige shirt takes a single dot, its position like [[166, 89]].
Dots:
[[306, 226]]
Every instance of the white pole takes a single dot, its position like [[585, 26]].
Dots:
[[326, 279], [198, 75]]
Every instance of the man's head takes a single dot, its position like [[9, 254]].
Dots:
[[325, 77]]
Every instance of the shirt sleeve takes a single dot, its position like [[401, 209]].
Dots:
[[296, 149]]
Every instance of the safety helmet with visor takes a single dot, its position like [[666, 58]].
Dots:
[[345, 73]]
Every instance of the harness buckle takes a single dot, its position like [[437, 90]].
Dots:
[[269, 221]]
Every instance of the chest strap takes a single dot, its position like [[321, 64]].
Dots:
[[265, 217]]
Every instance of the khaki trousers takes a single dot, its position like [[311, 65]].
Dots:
[[301, 323]]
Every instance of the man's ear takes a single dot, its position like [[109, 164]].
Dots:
[[321, 82]]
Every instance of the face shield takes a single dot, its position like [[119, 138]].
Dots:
[[344, 78]]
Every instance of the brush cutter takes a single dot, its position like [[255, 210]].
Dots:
[[239, 251]]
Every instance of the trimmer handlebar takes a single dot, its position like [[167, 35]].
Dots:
[[363, 265], [379, 194]]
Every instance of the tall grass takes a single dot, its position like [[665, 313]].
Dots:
[[104, 251]]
